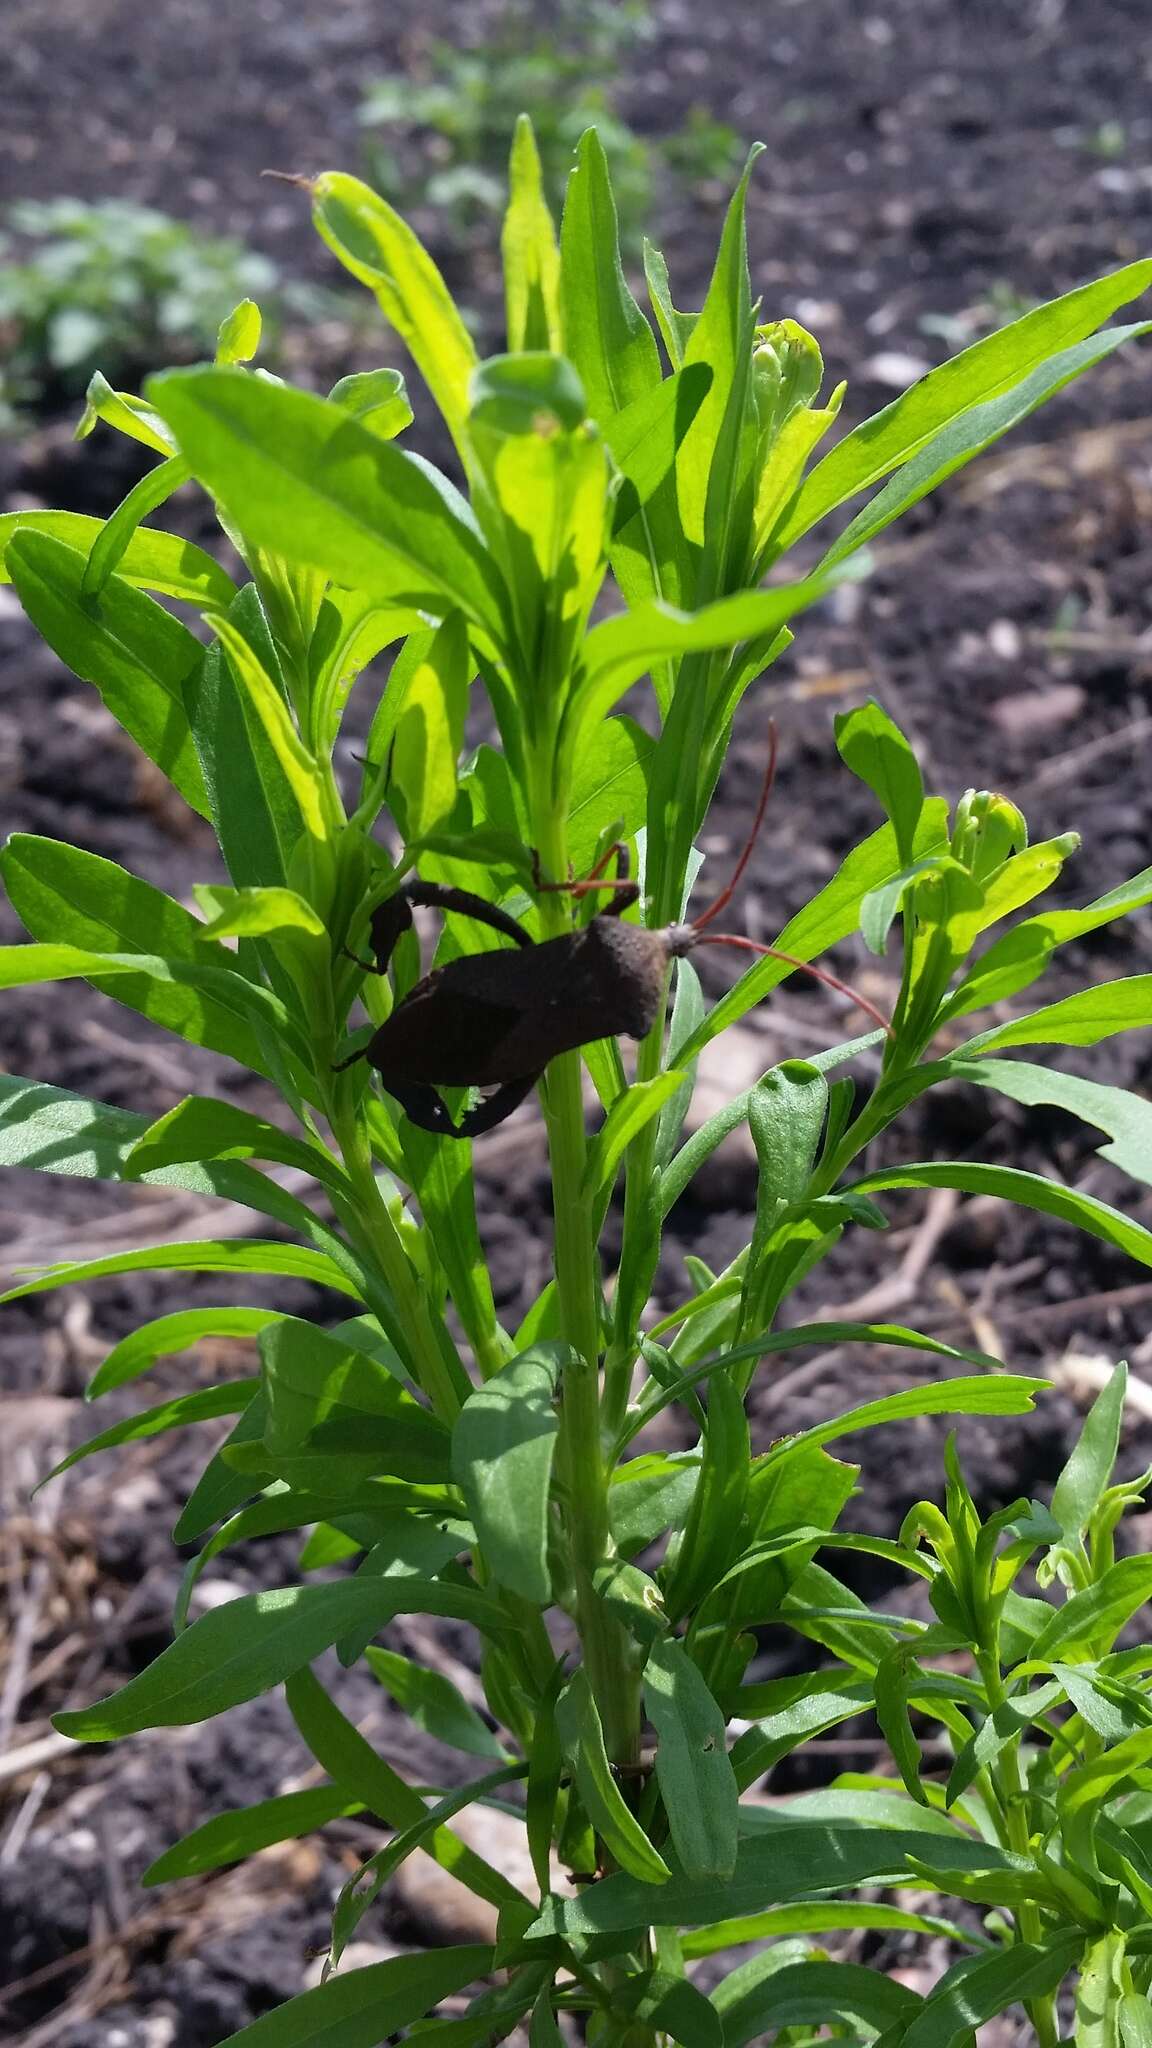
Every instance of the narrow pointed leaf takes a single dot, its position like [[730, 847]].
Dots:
[[379, 248], [692, 1766], [361, 2008], [162, 562], [1029, 1190], [503, 1445], [979, 373], [583, 1739], [234, 1653], [303, 479], [134, 652], [230, 1837]]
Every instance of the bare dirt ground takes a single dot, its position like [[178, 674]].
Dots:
[[931, 165]]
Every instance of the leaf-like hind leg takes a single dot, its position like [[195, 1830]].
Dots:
[[487, 1115], [423, 1106]]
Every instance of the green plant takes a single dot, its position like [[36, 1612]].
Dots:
[[112, 284], [498, 1476], [441, 138]]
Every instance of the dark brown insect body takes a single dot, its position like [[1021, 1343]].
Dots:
[[495, 1019], [484, 1019]]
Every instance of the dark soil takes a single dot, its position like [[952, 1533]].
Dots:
[[929, 163]]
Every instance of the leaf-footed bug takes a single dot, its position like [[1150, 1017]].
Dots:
[[495, 1019]]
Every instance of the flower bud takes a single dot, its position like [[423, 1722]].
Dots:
[[988, 827], [787, 372]]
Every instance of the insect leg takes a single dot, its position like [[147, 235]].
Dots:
[[626, 890], [441, 896], [422, 1106], [487, 1115], [386, 926]]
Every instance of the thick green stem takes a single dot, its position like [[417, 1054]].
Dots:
[[583, 1463], [444, 1389], [1013, 1804], [640, 1244]]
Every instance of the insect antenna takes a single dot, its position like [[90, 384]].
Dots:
[[843, 988], [726, 894], [722, 901]]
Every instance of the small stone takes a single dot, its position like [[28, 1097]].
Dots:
[[1028, 713], [359, 1955], [209, 1593], [1004, 640], [892, 368], [441, 1905]]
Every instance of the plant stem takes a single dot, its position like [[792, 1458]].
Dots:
[[583, 1465], [640, 1242], [445, 1389], [1010, 1788]]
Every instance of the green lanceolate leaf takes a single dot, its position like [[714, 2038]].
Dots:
[[876, 750], [300, 771], [692, 1767], [530, 252], [675, 327], [1095, 1616], [381, 250], [302, 479], [333, 1403], [364, 1888], [107, 551], [627, 1117], [238, 336], [978, 374], [230, 1837], [583, 1740], [708, 486], [433, 1703], [226, 1256], [65, 895], [1125, 1116], [503, 1445], [235, 1652], [666, 2002], [766, 1993], [813, 1919], [361, 2008], [137, 655], [254, 810], [201, 1128], [1021, 955], [981, 1987], [203, 1406], [1030, 1190], [1100, 1993], [166, 1336], [712, 1533], [973, 432], [377, 398], [1083, 1019], [352, 1761], [605, 333], [621, 649], [643, 439], [786, 1859], [1089, 1468], [429, 731], [163, 562]]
